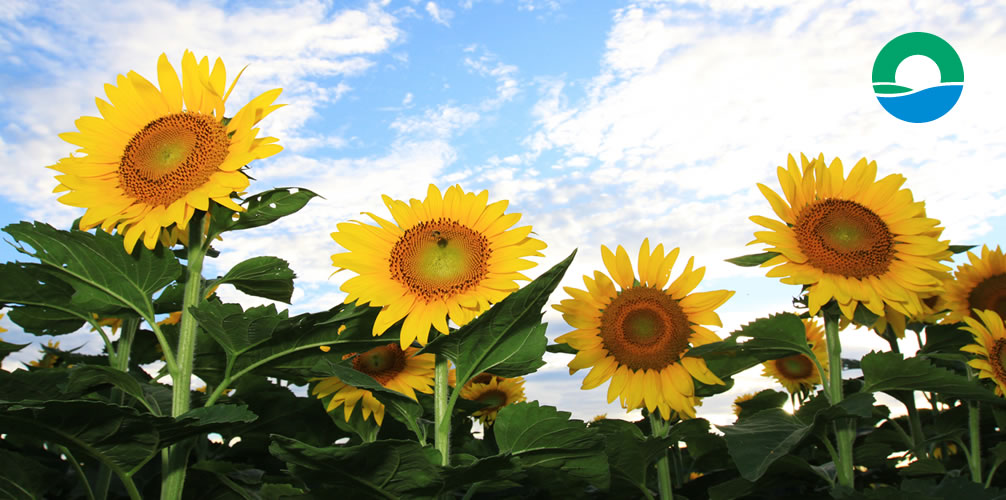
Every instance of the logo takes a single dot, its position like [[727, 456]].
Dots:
[[918, 105]]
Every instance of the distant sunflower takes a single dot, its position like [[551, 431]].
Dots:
[[853, 239], [990, 334], [743, 398], [798, 372], [978, 285], [114, 323], [496, 392], [149, 163], [447, 255], [398, 370], [49, 360], [638, 336]]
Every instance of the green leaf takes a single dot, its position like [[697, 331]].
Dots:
[[923, 467], [41, 302], [7, 348], [945, 339], [23, 478], [263, 208], [764, 400], [960, 248], [560, 348], [235, 329], [98, 267], [756, 442], [541, 436], [398, 405], [383, 469], [85, 378], [508, 339], [267, 277], [753, 260], [630, 453], [889, 371]]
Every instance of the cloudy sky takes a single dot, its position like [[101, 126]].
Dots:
[[601, 122]]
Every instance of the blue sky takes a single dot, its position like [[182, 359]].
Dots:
[[601, 122]]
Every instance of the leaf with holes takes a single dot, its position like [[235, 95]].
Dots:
[[262, 208]]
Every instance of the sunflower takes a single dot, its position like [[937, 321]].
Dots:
[[638, 336], [853, 239], [978, 285], [398, 370], [495, 392], [798, 372], [150, 163], [743, 398], [991, 347], [114, 323], [448, 255], [49, 360]]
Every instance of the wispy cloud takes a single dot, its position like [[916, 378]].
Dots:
[[439, 14]]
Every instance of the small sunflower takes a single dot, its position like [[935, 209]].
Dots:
[[398, 370], [114, 323], [496, 392], [49, 359], [638, 336], [743, 398], [990, 334], [978, 285], [798, 372], [852, 238], [150, 163], [949, 446], [451, 254]]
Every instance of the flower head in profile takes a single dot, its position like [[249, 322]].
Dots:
[[49, 359], [158, 155], [854, 239], [637, 335], [798, 372], [980, 284], [739, 400], [495, 392], [990, 334], [450, 255], [399, 370]]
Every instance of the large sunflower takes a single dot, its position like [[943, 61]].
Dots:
[[398, 370], [157, 156], [978, 285], [496, 392], [853, 239], [638, 336], [798, 372], [991, 347], [448, 255]]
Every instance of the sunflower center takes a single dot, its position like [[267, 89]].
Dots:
[[990, 294], [645, 328], [998, 361], [845, 238], [494, 399], [795, 367], [383, 363], [482, 378], [172, 156], [439, 259]]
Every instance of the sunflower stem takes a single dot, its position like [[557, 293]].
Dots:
[[660, 428], [441, 410], [844, 432], [173, 474], [975, 436]]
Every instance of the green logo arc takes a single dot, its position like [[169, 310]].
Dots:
[[915, 44]]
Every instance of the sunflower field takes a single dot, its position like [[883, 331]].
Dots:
[[415, 383]]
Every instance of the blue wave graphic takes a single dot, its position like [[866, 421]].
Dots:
[[923, 105]]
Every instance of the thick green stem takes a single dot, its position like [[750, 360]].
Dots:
[[441, 410], [660, 428], [173, 473], [975, 437], [844, 430]]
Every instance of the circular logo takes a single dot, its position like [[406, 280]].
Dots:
[[918, 105]]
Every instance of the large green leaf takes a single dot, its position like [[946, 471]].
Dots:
[[41, 302], [85, 378], [761, 439], [508, 339], [630, 453], [102, 273], [23, 478], [541, 436], [267, 277], [382, 469], [890, 371], [752, 260], [262, 208], [235, 329], [7, 348]]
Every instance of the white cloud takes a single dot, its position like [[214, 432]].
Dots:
[[488, 65], [439, 15]]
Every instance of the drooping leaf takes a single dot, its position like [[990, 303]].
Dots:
[[383, 469], [761, 439], [23, 478], [85, 378], [7, 348], [561, 348], [508, 339], [235, 329], [97, 266], [752, 260], [41, 303], [397, 405], [541, 436], [267, 277], [890, 371], [629, 452], [261, 209], [960, 248]]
